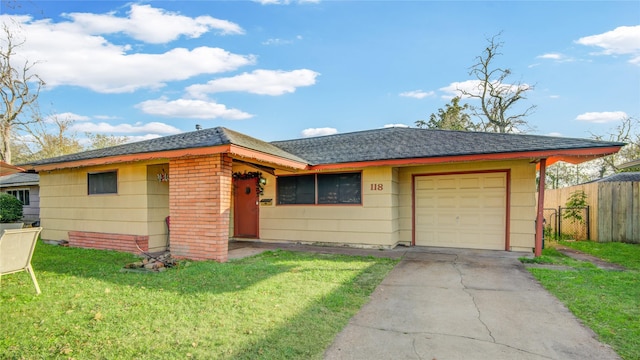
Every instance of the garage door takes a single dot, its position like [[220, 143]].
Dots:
[[462, 210]]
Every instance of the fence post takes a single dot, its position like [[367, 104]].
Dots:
[[588, 224], [559, 222]]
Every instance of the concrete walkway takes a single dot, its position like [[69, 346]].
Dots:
[[464, 304]]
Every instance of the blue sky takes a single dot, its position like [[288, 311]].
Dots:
[[286, 69]]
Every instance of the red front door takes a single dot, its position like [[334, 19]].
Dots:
[[245, 208]]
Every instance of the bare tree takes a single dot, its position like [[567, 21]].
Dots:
[[497, 98], [19, 89]]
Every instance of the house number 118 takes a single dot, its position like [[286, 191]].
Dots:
[[376, 187]]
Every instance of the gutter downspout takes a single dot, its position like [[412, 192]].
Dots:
[[540, 216]]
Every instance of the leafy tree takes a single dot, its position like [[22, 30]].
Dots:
[[100, 141], [54, 137], [497, 98], [40, 142], [19, 89], [452, 117], [627, 132], [563, 174], [575, 204]]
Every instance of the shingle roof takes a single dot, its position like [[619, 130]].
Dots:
[[369, 145], [622, 177], [19, 179], [190, 140], [407, 143]]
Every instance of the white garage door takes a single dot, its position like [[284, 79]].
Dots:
[[462, 211]]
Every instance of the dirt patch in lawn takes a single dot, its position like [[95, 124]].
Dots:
[[578, 255]]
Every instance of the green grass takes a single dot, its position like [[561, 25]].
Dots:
[[627, 255], [606, 301], [277, 305], [553, 257]]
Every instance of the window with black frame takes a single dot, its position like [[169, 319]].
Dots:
[[102, 183], [345, 188], [337, 188]]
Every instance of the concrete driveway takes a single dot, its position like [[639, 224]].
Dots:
[[441, 304]]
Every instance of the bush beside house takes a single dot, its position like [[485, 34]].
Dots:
[[10, 212]]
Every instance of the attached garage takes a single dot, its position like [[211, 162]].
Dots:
[[467, 210]]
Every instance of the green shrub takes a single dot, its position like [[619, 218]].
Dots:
[[10, 208]]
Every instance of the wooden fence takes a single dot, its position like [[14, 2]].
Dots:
[[619, 208], [615, 209], [554, 198]]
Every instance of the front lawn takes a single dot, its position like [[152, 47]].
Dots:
[[606, 301], [277, 305]]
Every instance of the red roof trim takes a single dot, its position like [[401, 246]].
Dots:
[[8, 169]]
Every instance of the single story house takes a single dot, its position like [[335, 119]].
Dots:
[[24, 186], [631, 165], [376, 188]]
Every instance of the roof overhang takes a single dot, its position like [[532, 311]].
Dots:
[[574, 156], [8, 169], [232, 150]]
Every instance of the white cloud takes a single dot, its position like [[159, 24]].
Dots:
[[417, 94], [623, 40], [142, 137], [194, 109], [154, 127], [453, 89], [262, 82], [554, 134], [396, 125], [311, 132], [562, 58], [277, 41], [151, 25], [551, 56], [105, 117], [602, 117], [66, 116], [67, 55]]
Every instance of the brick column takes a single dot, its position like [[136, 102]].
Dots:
[[199, 206]]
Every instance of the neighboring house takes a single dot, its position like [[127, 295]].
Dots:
[[614, 204], [377, 188], [25, 187], [631, 165]]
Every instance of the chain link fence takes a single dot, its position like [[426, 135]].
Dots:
[[566, 223]]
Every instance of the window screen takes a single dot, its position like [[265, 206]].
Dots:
[[296, 190], [342, 188], [103, 183], [339, 188]]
